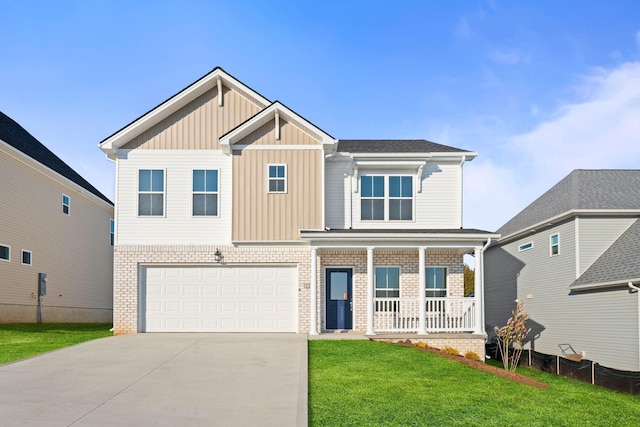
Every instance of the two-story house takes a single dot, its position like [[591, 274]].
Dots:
[[572, 257], [52, 222], [234, 213]]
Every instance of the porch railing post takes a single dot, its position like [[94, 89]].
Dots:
[[313, 327], [370, 292], [422, 301]]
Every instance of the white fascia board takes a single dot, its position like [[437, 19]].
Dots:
[[173, 104], [396, 237], [51, 174], [586, 286], [564, 216], [467, 155]]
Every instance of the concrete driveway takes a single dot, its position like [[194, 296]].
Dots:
[[161, 380]]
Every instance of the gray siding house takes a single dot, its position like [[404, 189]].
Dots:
[[573, 256]]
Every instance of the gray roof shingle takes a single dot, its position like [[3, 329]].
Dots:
[[17, 137], [394, 146], [581, 189], [620, 262]]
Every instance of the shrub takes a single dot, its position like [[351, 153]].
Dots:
[[471, 355], [450, 350], [511, 336], [423, 345]]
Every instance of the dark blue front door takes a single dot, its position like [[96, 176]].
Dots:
[[339, 298]]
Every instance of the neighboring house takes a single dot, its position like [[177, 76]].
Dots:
[[573, 256], [234, 213], [53, 222]]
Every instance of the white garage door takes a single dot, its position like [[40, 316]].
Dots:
[[220, 299]]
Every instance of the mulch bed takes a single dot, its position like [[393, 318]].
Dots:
[[513, 376]]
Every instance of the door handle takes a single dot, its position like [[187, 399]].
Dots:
[[350, 305]]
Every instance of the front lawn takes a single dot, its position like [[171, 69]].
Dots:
[[20, 340], [365, 383]]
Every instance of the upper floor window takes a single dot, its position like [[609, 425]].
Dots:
[[525, 246], [387, 282], [378, 204], [150, 192], [26, 257], [205, 192], [554, 242], [277, 177], [5, 253], [112, 232], [66, 203], [436, 282]]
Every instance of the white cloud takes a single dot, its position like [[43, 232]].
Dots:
[[600, 131], [638, 38], [509, 57]]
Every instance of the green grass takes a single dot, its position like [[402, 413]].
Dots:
[[365, 383], [20, 340]]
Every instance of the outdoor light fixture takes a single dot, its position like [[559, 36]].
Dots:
[[218, 255]]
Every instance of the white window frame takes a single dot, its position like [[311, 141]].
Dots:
[[387, 197], [22, 257], [8, 252], [163, 192], [446, 281], [521, 248], [375, 288], [216, 193], [277, 178], [112, 232], [66, 205], [551, 245]]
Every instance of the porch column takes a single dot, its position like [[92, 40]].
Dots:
[[478, 288], [313, 327], [370, 292], [422, 323]]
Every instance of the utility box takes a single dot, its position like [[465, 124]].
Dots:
[[42, 284]]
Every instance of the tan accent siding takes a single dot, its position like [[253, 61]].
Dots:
[[259, 215], [199, 124], [289, 135]]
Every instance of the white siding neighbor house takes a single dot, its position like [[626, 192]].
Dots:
[[234, 213], [573, 257], [53, 222]]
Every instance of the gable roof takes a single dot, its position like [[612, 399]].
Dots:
[[379, 146], [174, 103], [582, 189], [17, 137], [619, 264]]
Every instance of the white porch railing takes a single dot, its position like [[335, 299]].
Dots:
[[443, 315]]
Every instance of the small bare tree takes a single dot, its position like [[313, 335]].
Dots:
[[513, 335]]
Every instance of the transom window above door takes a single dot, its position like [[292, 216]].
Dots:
[[386, 198]]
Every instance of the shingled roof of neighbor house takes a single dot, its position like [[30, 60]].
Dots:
[[581, 189], [394, 146], [619, 263], [17, 137]]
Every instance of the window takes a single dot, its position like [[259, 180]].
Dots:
[[65, 204], [205, 192], [436, 285], [524, 247], [378, 204], [150, 192], [555, 244], [387, 282], [112, 232], [5, 253], [277, 178], [26, 257]]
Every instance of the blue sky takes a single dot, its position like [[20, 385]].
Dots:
[[537, 88]]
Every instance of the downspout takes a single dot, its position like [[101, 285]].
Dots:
[[482, 251], [637, 289]]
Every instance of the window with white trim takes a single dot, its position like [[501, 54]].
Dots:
[[554, 244], [387, 282], [5, 253], [436, 282], [151, 192], [112, 232], [277, 178], [205, 192], [525, 246], [66, 204], [26, 257], [378, 204]]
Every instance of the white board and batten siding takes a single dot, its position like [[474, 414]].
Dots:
[[219, 299], [177, 226]]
